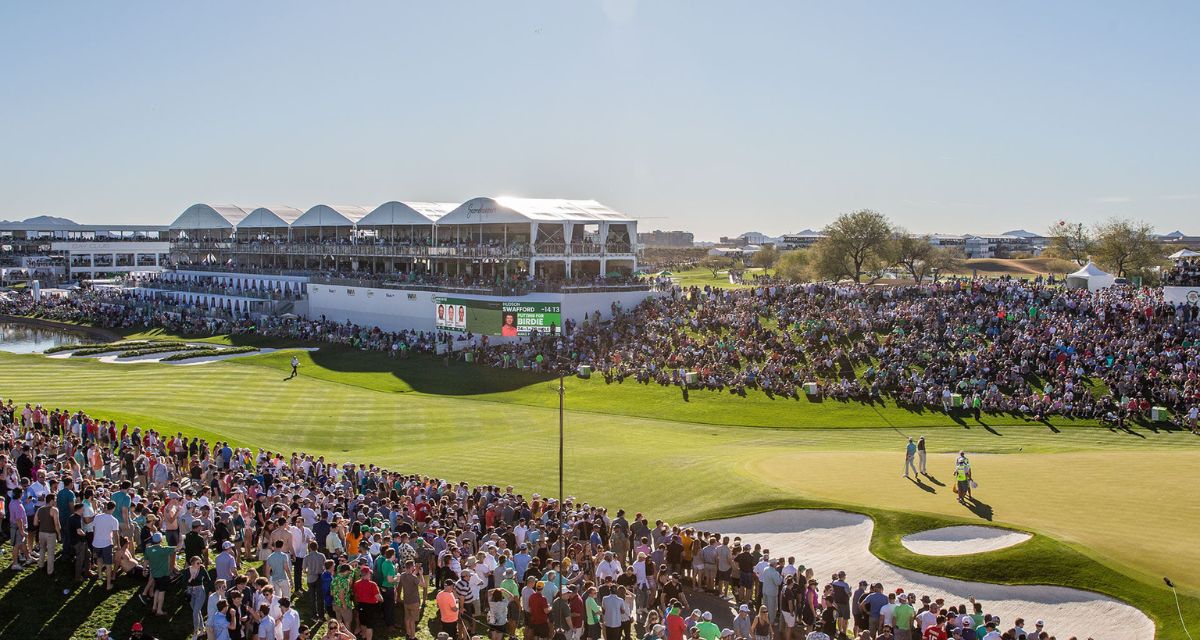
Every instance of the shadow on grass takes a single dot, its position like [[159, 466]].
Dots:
[[921, 485], [981, 509], [428, 374], [36, 606]]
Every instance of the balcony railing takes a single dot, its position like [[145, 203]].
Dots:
[[398, 250], [506, 289], [235, 292]]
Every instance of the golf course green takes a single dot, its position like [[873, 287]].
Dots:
[[1111, 510]]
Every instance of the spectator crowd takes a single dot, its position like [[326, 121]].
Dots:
[[272, 545], [961, 346]]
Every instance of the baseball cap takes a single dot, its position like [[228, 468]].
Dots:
[[101, 632], [227, 545], [744, 608], [156, 538], [707, 615], [137, 626]]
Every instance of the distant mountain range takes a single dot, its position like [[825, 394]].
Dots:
[[47, 220]]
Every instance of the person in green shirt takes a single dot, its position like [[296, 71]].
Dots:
[[708, 629], [509, 583], [385, 576], [903, 616], [592, 611], [161, 560]]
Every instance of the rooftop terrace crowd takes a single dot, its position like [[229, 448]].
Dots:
[[270, 544], [1184, 273]]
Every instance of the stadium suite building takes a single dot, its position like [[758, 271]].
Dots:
[[476, 266]]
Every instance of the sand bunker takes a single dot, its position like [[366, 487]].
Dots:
[[957, 541], [830, 541]]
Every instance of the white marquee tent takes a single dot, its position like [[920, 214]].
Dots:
[[1090, 277], [1184, 253]]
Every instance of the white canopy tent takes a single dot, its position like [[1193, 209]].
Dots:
[[277, 217], [1090, 277], [1184, 253], [395, 213]]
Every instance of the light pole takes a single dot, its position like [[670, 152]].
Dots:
[[561, 363], [562, 514]]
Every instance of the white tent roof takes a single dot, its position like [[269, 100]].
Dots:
[[204, 216], [1184, 253], [270, 217], [506, 210], [406, 213], [324, 215], [1089, 270]]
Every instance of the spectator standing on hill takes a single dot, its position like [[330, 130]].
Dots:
[[45, 521]]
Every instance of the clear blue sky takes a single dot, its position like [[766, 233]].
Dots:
[[717, 117]]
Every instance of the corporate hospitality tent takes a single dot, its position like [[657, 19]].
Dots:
[[268, 223], [327, 223], [396, 221], [1090, 277], [209, 222]]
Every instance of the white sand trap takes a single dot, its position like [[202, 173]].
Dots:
[[830, 541], [962, 540]]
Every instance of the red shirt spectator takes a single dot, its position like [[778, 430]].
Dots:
[[538, 606], [366, 591]]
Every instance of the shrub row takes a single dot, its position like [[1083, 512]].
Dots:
[[109, 346], [208, 351], [133, 353]]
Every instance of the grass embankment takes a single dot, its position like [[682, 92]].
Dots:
[[700, 277]]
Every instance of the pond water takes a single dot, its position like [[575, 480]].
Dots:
[[16, 337]]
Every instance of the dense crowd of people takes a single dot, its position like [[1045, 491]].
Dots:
[[960, 346], [969, 346], [249, 539]]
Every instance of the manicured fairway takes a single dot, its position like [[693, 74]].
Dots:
[[1118, 497]]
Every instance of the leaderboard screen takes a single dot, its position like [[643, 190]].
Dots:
[[497, 317]]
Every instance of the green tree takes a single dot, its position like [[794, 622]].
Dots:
[[793, 265], [946, 260], [765, 257], [856, 243], [1126, 248], [913, 253], [717, 263], [1071, 241], [920, 258]]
